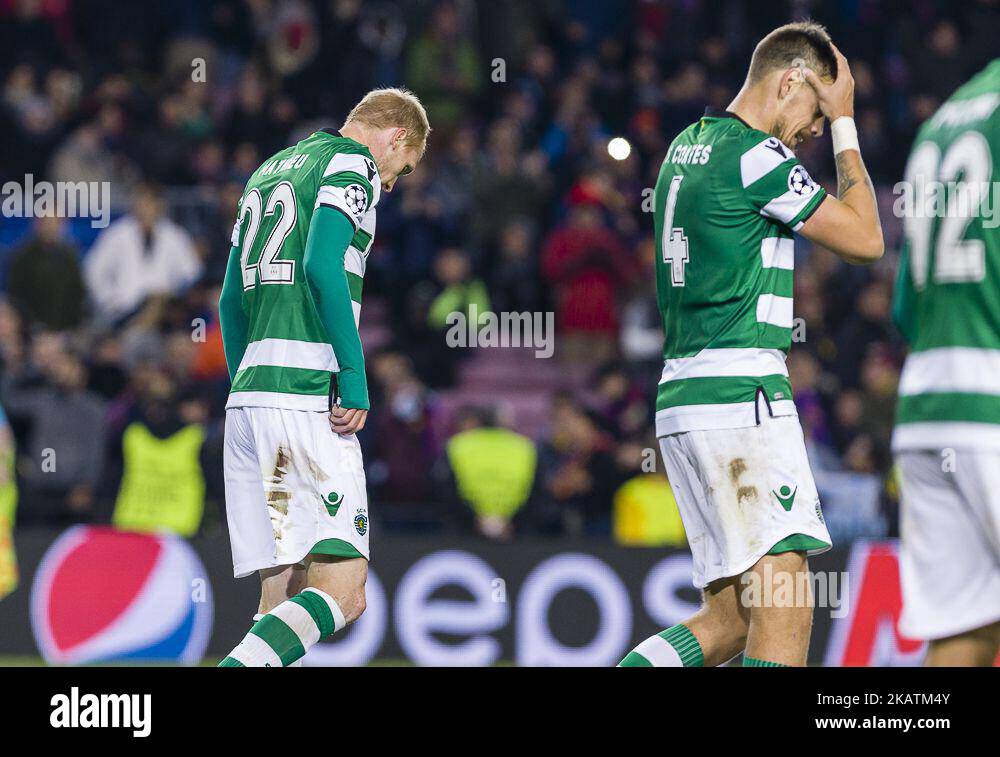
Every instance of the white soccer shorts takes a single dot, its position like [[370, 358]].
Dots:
[[743, 492], [950, 551], [293, 488]]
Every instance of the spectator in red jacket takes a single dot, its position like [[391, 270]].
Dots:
[[588, 264]]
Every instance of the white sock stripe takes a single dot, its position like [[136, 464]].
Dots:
[[338, 616], [299, 620], [254, 652], [257, 616], [659, 651]]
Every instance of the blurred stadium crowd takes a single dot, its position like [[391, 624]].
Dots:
[[109, 337]]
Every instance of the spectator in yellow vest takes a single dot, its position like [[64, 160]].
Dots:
[[163, 482], [491, 473], [645, 512]]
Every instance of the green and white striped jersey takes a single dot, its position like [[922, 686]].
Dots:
[[947, 301], [727, 200], [289, 360]]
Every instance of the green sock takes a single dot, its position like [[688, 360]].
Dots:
[[753, 662], [676, 647], [285, 634]]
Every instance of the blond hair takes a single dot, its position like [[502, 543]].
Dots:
[[383, 108]]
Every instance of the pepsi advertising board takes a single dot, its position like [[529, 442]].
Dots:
[[101, 595]]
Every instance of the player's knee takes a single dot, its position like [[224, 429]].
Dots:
[[354, 605], [360, 603]]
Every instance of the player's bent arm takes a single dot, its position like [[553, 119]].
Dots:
[[848, 224], [232, 319], [330, 233]]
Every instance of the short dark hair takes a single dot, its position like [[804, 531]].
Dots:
[[802, 39]]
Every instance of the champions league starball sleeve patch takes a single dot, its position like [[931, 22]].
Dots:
[[800, 182], [356, 199]]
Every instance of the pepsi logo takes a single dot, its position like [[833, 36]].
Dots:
[[101, 595]]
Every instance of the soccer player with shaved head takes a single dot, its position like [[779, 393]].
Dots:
[[729, 197]]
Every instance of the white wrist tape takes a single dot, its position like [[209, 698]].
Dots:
[[844, 134]]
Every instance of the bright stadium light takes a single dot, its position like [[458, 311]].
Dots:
[[619, 148]]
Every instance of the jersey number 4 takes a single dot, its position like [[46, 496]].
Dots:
[[674, 241], [270, 269], [956, 260]]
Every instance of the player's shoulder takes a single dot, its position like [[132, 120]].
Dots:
[[345, 155], [738, 145], [348, 177], [760, 154]]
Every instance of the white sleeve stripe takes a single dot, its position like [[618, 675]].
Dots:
[[334, 197], [759, 161], [787, 206], [359, 164]]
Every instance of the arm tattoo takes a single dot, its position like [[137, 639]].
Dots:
[[846, 177]]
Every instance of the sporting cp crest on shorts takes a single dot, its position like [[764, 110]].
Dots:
[[361, 523]]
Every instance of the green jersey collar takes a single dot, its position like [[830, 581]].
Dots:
[[712, 112]]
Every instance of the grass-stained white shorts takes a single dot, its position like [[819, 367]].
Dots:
[[743, 493], [949, 562], [293, 488]]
